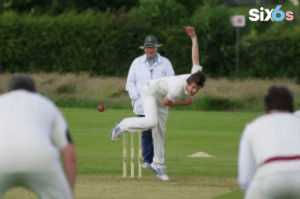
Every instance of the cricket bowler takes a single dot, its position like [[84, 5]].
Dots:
[[157, 96]]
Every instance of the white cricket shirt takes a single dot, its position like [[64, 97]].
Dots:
[[173, 87], [272, 135], [32, 132]]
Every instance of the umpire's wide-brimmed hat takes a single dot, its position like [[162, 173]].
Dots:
[[150, 41]]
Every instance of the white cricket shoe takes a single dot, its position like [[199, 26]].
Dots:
[[159, 170], [115, 131], [146, 165]]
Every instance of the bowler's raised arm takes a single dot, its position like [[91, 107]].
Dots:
[[190, 31]]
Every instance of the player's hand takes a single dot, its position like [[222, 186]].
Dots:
[[190, 31], [189, 100]]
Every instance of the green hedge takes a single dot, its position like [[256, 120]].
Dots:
[[273, 55], [101, 44], [161, 12], [93, 104], [97, 43], [106, 44], [59, 6], [216, 38]]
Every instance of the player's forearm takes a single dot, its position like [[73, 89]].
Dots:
[[166, 101], [70, 164], [182, 103], [177, 103], [195, 51], [71, 173]]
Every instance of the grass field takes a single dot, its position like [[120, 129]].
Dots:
[[216, 133]]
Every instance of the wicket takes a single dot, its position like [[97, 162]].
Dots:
[[132, 155]]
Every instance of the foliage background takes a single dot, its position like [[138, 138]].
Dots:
[[102, 37]]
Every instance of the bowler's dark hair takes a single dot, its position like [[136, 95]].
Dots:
[[22, 81], [198, 78], [279, 98]]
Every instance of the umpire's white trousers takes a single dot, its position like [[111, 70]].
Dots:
[[276, 180], [155, 119]]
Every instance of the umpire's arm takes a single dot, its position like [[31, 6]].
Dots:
[[131, 86], [62, 140]]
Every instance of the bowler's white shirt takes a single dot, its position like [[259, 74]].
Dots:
[[173, 87], [272, 135], [32, 132], [140, 73]]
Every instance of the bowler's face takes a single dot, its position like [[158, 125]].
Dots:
[[192, 88], [150, 52]]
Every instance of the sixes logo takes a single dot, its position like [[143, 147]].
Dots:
[[274, 14]]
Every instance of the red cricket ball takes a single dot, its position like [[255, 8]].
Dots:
[[101, 108]]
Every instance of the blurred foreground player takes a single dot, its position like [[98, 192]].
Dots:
[[33, 135], [297, 113], [269, 154]]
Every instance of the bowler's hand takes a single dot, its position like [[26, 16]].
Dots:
[[168, 102], [190, 31], [189, 101]]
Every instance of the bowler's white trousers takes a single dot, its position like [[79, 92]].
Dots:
[[276, 180], [155, 118]]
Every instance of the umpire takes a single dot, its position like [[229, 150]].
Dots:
[[33, 135]]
